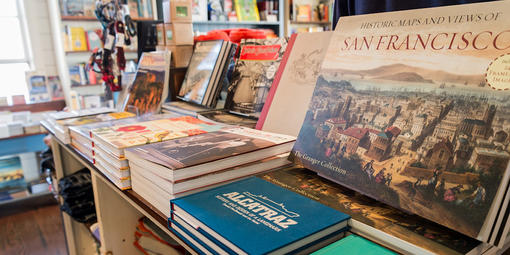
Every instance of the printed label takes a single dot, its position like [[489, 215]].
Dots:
[[498, 73], [260, 52]]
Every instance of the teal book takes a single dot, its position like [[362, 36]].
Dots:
[[354, 245]]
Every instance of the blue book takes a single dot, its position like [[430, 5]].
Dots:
[[354, 245], [253, 216], [187, 238]]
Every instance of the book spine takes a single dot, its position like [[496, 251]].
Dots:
[[276, 81], [222, 77]]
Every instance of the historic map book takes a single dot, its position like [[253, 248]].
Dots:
[[150, 87], [254, 73], [203, 67], [293, 85], [116, 138], [409, 233], [197, 155], [253, 216], [413, 111]]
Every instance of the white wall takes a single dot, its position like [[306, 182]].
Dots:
[[41, 41]]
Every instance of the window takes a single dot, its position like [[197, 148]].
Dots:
[[14, 49]]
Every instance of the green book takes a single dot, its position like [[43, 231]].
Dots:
[[353, 245]]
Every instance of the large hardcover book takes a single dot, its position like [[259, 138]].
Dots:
[[254, 73], [294, 83], [414, 112], [253, 216], [203, 66], [196, 155], [118, 137], [408, 233], [150, 87]]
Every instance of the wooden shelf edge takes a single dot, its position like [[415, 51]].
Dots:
[[55, 105]]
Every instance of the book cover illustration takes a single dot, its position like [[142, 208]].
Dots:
[[200, 70], [149, 89], [122, 136], [11, 174], [253, 74], [55, 88], [247, 10], [411, 228], [294, 86], [415, 113], [195, 150], [258, 217], [37, 88]]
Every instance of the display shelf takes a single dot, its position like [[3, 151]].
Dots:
[[117, 211], [86, 85], [323, 23], [238, 23], [55, 105], [86, 18], [23, 135], [28, 197], [90, 51], [277, 26]]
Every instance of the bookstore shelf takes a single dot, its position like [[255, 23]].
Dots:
[[55, 105], [117, 211], [325, 23], [85, 18], [86, 85], [238, 23], [29, 197]]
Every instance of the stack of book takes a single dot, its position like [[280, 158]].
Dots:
[[110, 142], [253, 216], [81, 136], [57, 122], [207, 69], [163, 171]]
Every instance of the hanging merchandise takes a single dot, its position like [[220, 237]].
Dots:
[[118, 30]]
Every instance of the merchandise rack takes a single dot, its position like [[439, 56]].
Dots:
[[117, 211]]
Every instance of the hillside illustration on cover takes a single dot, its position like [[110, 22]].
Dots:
[[418, 128]]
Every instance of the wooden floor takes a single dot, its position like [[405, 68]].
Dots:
[[35, 231]]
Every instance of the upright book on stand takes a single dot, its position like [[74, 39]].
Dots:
[[205, 72], [149, 89], [293, 84], [414, 112], [253, 74]]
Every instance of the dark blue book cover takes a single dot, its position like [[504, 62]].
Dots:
[[258, 217]]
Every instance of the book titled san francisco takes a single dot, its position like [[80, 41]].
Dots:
[[253, 216], [253, 74], [206, 153], [412, 108]]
